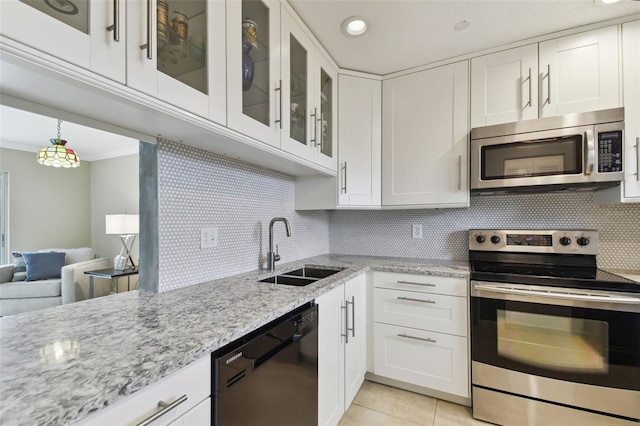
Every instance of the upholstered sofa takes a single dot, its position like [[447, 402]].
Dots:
[[71, 286]]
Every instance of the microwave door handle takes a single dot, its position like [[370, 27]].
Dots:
[[590, 151]]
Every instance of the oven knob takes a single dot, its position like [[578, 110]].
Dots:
[[495, 239], [565, 241], [480, 239], [583, 241]]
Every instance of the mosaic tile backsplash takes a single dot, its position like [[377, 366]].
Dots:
[[198, 189], [388, 233]]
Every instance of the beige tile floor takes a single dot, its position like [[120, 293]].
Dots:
[[380, 405]]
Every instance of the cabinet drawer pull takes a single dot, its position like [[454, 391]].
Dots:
[[459, 172], [412, 283], [353, 316], [165, 409], [415, 300], [416, 338]]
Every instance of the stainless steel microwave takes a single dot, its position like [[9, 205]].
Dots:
[[575, 151]]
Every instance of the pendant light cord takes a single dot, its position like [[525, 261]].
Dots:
[[59, 122]]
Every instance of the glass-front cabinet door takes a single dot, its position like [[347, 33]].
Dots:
[[326, 90], [176, 53], [90, 34], [255, 88], [299, 133]]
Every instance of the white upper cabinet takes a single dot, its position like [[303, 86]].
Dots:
[[631, 94], [572, 74], [629, 190], [579, 73], [176, 51], [281, 89], [325, 92], [254, 97], [298, 117], [504, 86], [309, 115], [91, 35], [360, 136], [424, 138]]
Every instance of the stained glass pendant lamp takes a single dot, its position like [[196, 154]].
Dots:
[[57, 155]]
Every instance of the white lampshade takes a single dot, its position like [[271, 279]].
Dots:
[[122, 224]]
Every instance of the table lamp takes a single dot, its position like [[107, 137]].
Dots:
[[127, 226]]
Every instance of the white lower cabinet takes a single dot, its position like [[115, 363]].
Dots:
[[182, 398], [424, 358], [420, 331], [342, 348]]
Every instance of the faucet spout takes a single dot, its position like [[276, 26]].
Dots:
[[272, 256]]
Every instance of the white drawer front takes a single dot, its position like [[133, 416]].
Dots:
[[422, 283], [194, 381], [432, 360], [429, 312]]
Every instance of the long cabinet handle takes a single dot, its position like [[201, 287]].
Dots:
[[590, 151], [412, 283], [314, 135], [637, 159], [353, 316], [529, 78], [279, 91], [165, 409], [346, 322], [548, 100], [115, 27], [410, 299], [459, 172], [319, 120], [406, 336], [147, 45], [344, 179]]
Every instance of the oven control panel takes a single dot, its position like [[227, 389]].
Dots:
[[535, 241]]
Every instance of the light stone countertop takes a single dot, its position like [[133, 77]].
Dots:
[[59, 364]]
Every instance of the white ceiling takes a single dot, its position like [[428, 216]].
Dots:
[[27, 131], [404, 34]]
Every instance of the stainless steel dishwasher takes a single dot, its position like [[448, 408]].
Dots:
[[270, 377]]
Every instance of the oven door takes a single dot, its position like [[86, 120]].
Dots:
[[583, 337]]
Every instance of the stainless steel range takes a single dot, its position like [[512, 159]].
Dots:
[[554, 340]]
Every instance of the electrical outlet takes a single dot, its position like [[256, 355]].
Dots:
[[208, 238], [416, 231]]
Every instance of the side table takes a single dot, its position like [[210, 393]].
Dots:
[[110, 274]]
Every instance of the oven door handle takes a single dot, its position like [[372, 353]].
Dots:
[[558, 295]]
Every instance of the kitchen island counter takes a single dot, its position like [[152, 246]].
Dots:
[[60, 364]]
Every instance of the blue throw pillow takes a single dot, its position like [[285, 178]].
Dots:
[[42, 266], [19, 267]]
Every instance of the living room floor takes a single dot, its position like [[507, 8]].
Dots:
[[380, 405]]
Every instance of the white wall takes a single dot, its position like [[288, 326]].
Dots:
[[48, 207], [114, 190]]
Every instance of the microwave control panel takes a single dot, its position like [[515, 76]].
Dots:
[[610, 151]]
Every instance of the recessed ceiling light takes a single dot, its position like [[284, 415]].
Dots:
[[354, 26], [462, 25], [609, 1]]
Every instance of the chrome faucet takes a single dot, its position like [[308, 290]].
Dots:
[[272, 257]]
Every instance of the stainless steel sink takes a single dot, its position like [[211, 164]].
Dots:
[[300, 277], [286, 280], [312, 272]]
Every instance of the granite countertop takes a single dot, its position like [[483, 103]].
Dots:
[[59, 364]]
